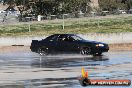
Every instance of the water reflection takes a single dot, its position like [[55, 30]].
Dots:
[[53, 82], [58, 62], [12, 86]]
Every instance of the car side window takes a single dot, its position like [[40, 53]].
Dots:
[[65, 38], [70, 39], [60, 38], [54, 38]]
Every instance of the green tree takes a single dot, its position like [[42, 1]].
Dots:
[[111, 5], [45, 7], [128, 3], [73, 6], [61, 6]]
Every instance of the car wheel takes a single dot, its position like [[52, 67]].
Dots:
[[43, 51], [85, 51]]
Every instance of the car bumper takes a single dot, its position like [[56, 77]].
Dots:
[[101, 49], [33, 49]]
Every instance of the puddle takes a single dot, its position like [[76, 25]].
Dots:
[[61, 71]]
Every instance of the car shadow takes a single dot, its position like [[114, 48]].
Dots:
[[68, 61]]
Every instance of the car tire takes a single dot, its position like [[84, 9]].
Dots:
[[85, 51], [43, 51]]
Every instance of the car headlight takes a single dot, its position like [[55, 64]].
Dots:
[[99, 45]]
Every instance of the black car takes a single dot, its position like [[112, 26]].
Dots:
[[68, 43]]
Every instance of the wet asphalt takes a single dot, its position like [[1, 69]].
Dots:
[[109, 66]]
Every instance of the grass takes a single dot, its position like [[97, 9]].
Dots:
[[77, 26]]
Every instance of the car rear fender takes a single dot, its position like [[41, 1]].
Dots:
[[34, 45]]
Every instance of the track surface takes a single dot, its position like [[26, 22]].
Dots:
[[24, 69]]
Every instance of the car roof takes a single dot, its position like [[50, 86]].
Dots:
[[59, 35], [64, 34]]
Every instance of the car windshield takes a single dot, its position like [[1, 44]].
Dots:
[[77, 37]]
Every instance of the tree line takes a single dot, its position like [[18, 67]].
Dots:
[[112, 5], [45, 7]]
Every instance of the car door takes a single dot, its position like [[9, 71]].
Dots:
[[53, 43], [67, 44], [62, 43], [72, 44]]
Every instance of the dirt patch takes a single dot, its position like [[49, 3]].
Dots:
[[5, 49], [121, 46]]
